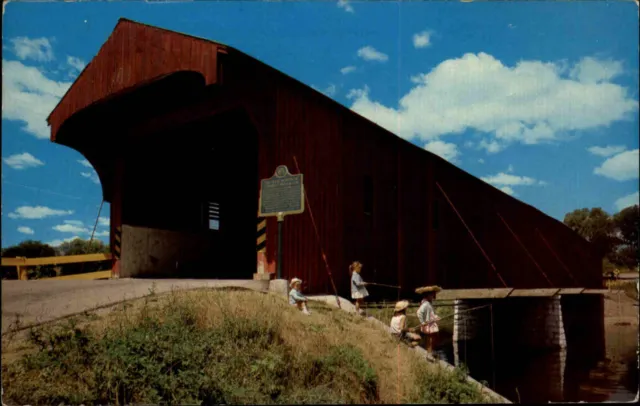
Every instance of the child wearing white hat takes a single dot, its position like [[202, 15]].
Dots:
[[358, 289], [296, 298], [398, 325]]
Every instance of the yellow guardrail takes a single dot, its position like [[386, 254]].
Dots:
[[23, 263]]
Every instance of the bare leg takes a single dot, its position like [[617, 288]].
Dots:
[[305, 310]]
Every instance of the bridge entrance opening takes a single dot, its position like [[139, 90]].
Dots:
[[190, 200]]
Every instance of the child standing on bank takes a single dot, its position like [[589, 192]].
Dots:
[[358, 290], [428, 318]]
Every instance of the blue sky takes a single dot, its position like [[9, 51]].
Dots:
[[540, 99]]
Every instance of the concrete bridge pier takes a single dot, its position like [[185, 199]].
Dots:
[[526, 331]]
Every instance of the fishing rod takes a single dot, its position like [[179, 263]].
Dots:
[[382, 284], [451, 315]]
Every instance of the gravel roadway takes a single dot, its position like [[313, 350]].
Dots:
[[37, 301]]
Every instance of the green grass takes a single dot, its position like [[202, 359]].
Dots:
[[209, 347]]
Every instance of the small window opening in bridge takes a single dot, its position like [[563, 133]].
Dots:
[[368, 195], [214, 216], [435, 214]]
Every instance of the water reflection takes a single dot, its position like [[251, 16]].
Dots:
[[572, 374]]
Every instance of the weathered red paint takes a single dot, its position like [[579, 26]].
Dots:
[[405, 240]]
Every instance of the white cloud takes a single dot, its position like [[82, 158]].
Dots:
[[74, 222], [38, 49], [623, 166], [104, 221], [347, 69], [330, 90], [626, 201], [86, 163], [29, 96], [37, 212], [606, 151], [76, 63], [345, 4], [70, 228], [480, 161], [508, 190], [25, 230], [369, 53], [22, 161], [422, 39], [448, 151], [492, 147], [92, 174], [591, 70], [506, 179], [56, 243], [101, 233], [530, 103]]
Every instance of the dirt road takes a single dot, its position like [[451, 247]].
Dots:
[[33, 302]]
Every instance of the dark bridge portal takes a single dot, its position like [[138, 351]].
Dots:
[[191, 193]]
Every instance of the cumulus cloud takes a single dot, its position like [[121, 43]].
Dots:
[[480, 161], [422, 39], [104, 221], [345, 5], [38, 49], [25, 230], [508, 190], [626, 201], [347, 69], [511, 180], [29, 96], [74, 222], [620, 167], [591, 70], [369, 53], [76, 64], [506, 181], [22, 161], [104, 233], [606, 151], [448, 151], [92, 175], [532, 102], [330, 90], [70, 228], [37, 212]]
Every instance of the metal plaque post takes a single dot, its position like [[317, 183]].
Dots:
[[281, 195], [279, 261]]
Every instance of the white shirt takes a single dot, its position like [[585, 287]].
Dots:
[[397, 324]]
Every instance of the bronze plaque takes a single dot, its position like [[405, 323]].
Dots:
[[281, 194]]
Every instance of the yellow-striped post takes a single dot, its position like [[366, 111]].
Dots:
[[261, 248], [117, 250]]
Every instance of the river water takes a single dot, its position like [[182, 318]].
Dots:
[[568, 375]]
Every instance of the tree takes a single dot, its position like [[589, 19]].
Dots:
[[627, 223], [29, 249], [595, 226], [81, 247]]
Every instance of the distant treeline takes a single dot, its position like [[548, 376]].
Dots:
[[37, 249], [615, 236]]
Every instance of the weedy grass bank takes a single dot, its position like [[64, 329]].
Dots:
[[212, 347]]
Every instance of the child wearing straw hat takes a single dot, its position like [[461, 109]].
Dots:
[[399, 322], [428, 318], [358, 290], [296, 298]]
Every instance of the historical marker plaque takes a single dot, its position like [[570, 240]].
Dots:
[[281, 194]]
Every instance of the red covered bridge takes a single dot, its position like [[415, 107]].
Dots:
[[178, 127]]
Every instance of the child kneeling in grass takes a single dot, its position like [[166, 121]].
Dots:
[[296, 298], [399, 324]]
